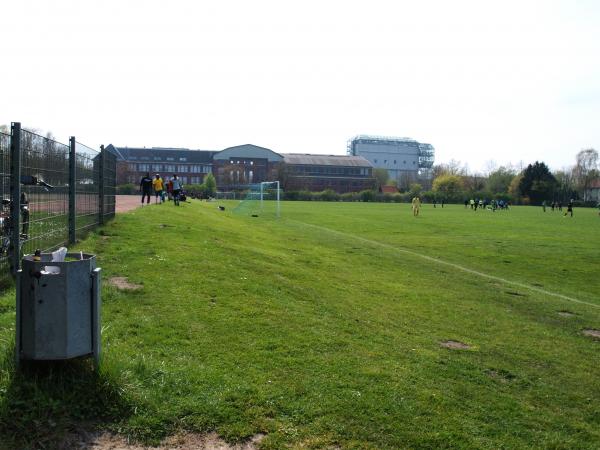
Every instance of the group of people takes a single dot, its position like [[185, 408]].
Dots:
[[557, 206], [172, 189], [485, 204]]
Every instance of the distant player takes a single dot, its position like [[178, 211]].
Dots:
[[416, 206], [146, 188], [569, 208]]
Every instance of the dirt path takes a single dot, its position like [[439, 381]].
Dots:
[[126, 203]]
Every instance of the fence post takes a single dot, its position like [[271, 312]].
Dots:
[[15, 196], [101, 185], [72, 187]]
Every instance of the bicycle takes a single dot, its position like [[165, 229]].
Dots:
[[6, 220]]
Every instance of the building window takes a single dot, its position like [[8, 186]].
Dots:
[[394, 161], [158, 167], [375, 161], [182, 159], [183, 168], [156, 158], [170, 159], [385, 161], [404, 162], [144, 167]]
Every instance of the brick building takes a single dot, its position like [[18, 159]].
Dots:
[[236, 167]]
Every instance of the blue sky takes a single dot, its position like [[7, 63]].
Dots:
[[482, 81]]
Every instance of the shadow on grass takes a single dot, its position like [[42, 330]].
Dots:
[[42, 401]]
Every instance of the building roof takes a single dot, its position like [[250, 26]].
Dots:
[[325, 160], [373, 138], [136, 153], [248, 151]]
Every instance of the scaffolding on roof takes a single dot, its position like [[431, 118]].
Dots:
[[426, 151]]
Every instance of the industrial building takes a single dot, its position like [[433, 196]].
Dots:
[[405, 159]]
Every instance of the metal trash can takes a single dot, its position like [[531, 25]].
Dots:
[[58, 308]]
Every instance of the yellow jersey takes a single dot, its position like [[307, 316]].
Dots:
[[158, 184]]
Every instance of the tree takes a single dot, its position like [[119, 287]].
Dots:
[[450, 186], [513, 187], [498, 181], [210, 185], [565, 184], [453, 167], [586, 169], [415, 188], [4, 129], [537, 183], [381, 177]]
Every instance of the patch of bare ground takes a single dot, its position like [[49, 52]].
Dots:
[[565, 313], [124, 284], [185, 441], [592, 333], [455, 345], [502, 376]]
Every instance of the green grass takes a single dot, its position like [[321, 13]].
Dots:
[[321, 330]]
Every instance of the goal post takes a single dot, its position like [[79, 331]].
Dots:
[[261, 199]]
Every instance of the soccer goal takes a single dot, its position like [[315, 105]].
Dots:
[[261, 199]]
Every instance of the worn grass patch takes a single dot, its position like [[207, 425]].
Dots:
[[322, 330]]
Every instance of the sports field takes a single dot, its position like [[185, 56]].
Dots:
[[329, 328]]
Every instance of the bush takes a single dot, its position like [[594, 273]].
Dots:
[[329, 195], [305, 195], [367, 195], [349, 197], [291, 195], [397, 198]]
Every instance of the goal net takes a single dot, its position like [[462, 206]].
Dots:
[[262, 199]]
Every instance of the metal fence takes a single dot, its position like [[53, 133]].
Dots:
[[52, 194]]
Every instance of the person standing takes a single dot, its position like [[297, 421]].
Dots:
[[177, 186], [544, 206], [416, 205], [569, 208], [157, 183], [146, 187]]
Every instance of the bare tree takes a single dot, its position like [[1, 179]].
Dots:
[[586, 169]]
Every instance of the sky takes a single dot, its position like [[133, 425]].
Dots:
[[484, 82]]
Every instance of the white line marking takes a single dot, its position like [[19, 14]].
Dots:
[[446, 263]]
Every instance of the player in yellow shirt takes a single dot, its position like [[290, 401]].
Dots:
[[158, 186], [416, 205]]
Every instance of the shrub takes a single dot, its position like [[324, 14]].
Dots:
[[291, 195], [367, 195], [330, 195], [349, 197], [305, 195]]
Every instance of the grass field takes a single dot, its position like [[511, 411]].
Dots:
[[323, 330]]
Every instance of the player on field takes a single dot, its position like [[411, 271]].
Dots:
[[416, 206]]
